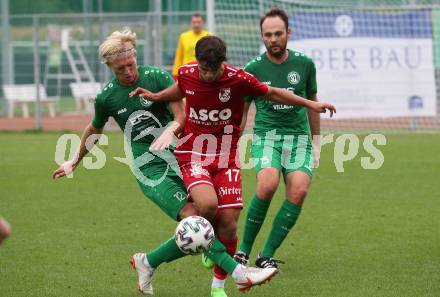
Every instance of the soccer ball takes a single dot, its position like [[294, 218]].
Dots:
[[194, 235]]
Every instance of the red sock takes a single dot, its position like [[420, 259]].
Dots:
[[231, 248]]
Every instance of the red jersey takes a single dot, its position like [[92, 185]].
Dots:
[[214, 109]]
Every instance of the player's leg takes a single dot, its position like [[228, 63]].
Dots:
[[224, 245], [268, 177], [197, 180], [226, 230], [170, 196], [5, 229], [200, 186], [297, 176], [203, 195], [205, 198], [297, 185], [228, 184], [267, 183], [168, 251]]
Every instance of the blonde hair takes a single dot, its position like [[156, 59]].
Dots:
[[118, 43]]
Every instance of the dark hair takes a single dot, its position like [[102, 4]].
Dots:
[[197, 15], [275, 12], [211, 50]]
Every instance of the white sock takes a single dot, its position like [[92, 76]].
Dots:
[[238, 272], [146, 263], [218, 283]]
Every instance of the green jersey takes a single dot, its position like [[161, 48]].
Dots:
[[296, 74], [136, 116]]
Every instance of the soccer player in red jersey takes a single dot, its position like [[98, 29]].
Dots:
[[207, 150]]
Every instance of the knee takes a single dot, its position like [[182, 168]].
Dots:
[[266, 189], [301, 192], [298, 195]]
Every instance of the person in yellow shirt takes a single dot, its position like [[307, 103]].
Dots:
[[187, 42]]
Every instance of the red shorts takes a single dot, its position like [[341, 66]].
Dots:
[[226, 181]]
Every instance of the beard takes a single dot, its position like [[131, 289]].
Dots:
[[277, 53]]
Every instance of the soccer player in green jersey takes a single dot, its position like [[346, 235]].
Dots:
[[282, 142], [157, 174]]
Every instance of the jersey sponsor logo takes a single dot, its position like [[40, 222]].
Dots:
[[282, 106], [223, 191], [293, 77], [122, 110], [145, 102], [140, 117], [210, 115], [189, 92], [225, 94], [197, 170]]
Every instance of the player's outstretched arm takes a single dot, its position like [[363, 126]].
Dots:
[[83, 149], [171, 93], [173, 128], [286, 97], [178, 110]]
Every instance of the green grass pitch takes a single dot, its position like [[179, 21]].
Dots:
[[361, 233]]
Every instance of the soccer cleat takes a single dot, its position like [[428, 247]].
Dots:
[[218, 292], [145, 273], [207, 263], [241, 258], [254, 276], [267, 262]]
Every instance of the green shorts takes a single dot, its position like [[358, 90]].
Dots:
[[291, 153], [169, 192]]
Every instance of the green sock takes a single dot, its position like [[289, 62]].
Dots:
[[254, 220], [283, 222], [217, 253], [166, 252]]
